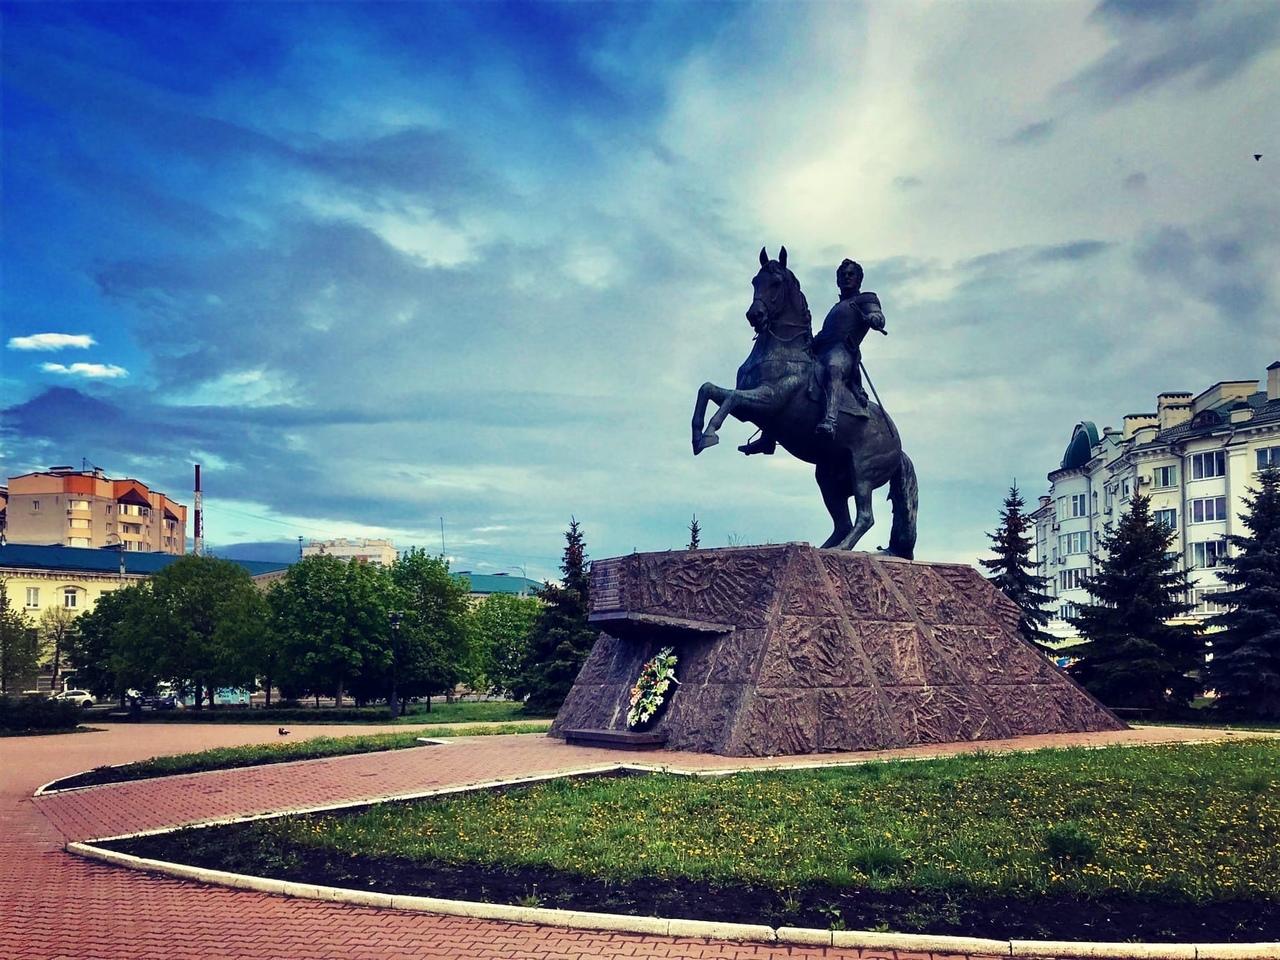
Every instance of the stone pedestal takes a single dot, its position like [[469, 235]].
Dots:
[[790, 650]]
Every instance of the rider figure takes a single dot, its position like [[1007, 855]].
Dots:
[[838, 350], [838, 345]]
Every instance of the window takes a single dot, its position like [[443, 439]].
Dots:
[[78, 523], [1067, 611], [1268, 457], [1079, 505], [1207, 509], [1073, 543], [77, 504], [1205, 465], [1168, 517], [78, 542], [1202, 600], [33, 597], [1208, 553], [35, 505], [70, 595], [1165, 477], [1072, 579], [1124, 489], [134, 528], [1062, 508]]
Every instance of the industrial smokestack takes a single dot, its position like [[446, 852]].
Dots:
[[199, 531]]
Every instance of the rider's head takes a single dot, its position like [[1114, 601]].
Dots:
[[849, 276]]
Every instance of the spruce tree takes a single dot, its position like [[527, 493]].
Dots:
[[1133, 656], [1015, 574], [561, 638], [1245, 668], [695, 534]]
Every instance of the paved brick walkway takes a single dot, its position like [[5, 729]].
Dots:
[[55, 905]]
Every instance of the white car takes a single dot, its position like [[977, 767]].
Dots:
[[82, 697]]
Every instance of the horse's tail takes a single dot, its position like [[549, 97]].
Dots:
[[904, 495]]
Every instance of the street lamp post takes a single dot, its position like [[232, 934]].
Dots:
[[393, 698]]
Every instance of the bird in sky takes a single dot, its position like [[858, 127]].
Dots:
[[1257, 156]]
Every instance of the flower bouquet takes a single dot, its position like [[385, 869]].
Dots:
[[656, 677]]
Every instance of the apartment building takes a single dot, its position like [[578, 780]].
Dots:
[[84, 508], [1196, 457], [381, 552]]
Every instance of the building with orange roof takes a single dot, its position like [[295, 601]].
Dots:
[[85, 508]]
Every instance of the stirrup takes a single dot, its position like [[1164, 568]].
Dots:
[[765, 445]]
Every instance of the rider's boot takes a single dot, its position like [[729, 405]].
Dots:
[[763, 444], [827, 428]]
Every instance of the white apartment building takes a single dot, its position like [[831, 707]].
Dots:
[[1195, 457], [381, 552]]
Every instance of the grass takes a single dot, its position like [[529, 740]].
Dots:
[[463, 711], [48, 733], [223, 758], [1188, 822]]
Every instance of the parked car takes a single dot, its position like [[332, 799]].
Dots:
[[161, 701], [82, 697]]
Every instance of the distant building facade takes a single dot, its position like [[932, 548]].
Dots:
[[1196, 457], [380, 552], [39, 577], [84, 508]]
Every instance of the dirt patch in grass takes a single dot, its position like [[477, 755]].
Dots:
[[245, 848]]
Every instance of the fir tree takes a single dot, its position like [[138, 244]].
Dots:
[[1245, 668], [561, 638], [1014, 573], [1132, 655], [695, 534]]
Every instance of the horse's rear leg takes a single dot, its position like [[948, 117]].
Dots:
[[834, 484], [865, 518]]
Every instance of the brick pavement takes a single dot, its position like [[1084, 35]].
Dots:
[[53, 904]]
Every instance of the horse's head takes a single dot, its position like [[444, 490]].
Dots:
[[778, 305]]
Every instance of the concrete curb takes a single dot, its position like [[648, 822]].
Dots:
[[659, 926], [690, 929]]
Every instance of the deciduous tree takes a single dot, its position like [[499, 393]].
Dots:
[[433, 646], [19, 646], [501, 626]]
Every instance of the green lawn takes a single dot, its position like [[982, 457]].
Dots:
[[463, 711], [221, 758], [1194, 822]]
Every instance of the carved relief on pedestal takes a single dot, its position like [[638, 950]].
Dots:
[[787, 649]]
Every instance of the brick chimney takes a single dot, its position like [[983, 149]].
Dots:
[[1273, 381]]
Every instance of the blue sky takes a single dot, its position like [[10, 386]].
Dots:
[[374, 264]]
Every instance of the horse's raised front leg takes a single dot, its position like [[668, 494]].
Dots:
[[708, 391]]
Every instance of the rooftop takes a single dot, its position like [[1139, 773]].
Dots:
[[89, 560]]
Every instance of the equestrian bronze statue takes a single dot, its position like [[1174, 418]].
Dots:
[[806, 394]]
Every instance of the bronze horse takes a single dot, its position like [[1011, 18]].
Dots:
[[775, 391]]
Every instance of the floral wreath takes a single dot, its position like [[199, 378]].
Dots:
[[655, 679]]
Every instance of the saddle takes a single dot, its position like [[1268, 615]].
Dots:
[[848, 402]]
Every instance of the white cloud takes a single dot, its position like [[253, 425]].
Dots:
[[51, 341], [92, 371]]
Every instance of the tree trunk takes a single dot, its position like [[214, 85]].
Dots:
[[337, 701], [428, 703], [268, 688], [199, 695]]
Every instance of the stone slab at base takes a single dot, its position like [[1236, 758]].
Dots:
[[792, 650], [617, 739]]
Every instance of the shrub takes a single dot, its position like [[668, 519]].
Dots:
[[1067, 841], [37, 713]]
